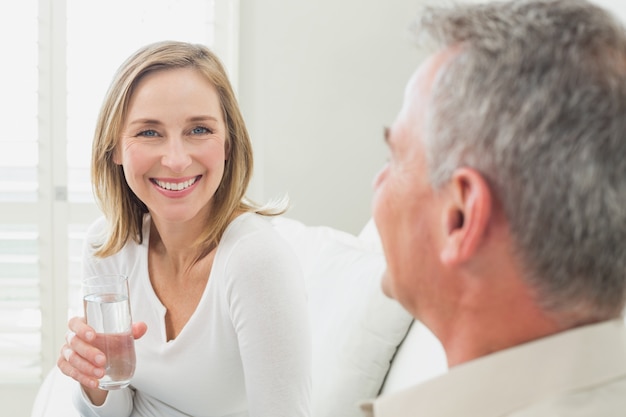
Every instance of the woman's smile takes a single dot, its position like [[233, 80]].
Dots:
[[175, 184]]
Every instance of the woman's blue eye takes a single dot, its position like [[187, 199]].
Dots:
[[199, 130], [148, 133]]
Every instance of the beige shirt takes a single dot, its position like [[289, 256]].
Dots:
[[580, 372]]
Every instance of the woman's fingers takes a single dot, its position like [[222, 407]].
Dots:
[[139, 329], [79, 326], [72, 365], [82, 342], [78, 358]]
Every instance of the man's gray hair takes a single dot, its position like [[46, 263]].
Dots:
[[535, 100]]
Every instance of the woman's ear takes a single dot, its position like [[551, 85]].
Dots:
[[466, 213], [115, 156]]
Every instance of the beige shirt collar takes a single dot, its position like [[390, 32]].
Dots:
[[502, 382]]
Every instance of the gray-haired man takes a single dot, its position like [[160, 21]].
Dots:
[[502, 211]]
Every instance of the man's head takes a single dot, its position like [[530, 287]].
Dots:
[[518, 120]]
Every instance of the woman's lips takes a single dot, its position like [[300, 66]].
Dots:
[[175, 185]]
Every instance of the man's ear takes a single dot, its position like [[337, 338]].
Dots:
[[466, 212]]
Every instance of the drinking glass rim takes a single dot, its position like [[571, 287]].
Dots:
[[120, 278], [92, 282]]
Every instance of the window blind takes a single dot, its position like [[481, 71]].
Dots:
[[20, 313]]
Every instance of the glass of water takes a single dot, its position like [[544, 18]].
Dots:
[[107, 311]]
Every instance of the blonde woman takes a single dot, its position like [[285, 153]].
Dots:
[[217, 297]]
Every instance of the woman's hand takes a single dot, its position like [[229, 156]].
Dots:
[[82, 361]]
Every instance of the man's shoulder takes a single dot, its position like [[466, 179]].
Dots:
[[607, 400], [577, 373]]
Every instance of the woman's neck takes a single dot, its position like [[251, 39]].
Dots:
[[174, 241]]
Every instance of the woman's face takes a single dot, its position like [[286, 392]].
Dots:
[[173, 144]]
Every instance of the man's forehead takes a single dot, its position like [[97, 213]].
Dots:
[[424, 77]]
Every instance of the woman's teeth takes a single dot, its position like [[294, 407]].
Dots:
[[175, 186]]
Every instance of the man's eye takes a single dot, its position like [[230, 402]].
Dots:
[[148, 133]]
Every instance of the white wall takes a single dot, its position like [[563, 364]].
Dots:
[[318, 81], [618, 7]]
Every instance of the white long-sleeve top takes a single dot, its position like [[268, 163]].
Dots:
[[246, 349]]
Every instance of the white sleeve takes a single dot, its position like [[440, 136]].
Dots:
[[118, 403], [268, 308]]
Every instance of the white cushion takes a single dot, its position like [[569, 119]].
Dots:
[[419, 358], [369, 235], [356, 328], [54, 398]]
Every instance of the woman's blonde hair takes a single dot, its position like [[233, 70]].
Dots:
[[122, 208]]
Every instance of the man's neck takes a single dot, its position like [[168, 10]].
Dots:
[[492, 325]]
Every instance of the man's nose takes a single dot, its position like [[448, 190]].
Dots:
[[379, 178]]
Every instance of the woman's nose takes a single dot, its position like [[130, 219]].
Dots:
[[176, 156]]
